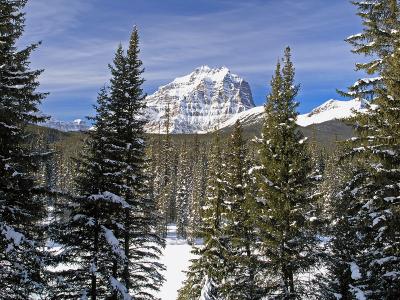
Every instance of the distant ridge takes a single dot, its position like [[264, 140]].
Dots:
[[208, 99], [76, 125]]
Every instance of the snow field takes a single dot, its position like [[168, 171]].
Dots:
[[176, 259]]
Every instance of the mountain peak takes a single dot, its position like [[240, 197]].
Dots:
[[199, 101], [205, 73], [203, 68], [206, 68]]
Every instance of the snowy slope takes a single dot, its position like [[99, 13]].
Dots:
[[76, 125], [330, 110], [248, 117], [176, 258], [198, 102]]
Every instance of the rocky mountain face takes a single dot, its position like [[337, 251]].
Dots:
[[198, 102]]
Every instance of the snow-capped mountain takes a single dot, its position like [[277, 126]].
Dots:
[[330, 110], [208, 99], [76, 125], [198, 102]]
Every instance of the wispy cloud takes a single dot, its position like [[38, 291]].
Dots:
[[49, 18], [247, 36], [82, 66]]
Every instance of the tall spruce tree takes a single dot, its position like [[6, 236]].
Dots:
[[243, 263], [197, 193], [22, 207], [371, 191], [342, 243], [167, 180], [85, 232], [140, 273], [284, 204], [155, 175], [114, 217]]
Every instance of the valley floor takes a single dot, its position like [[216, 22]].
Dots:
[[176, 259]]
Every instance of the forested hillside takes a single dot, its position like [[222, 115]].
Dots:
[[184, 149]]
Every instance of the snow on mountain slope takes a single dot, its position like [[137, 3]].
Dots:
[[247, 117], [198, 102], [76, 125], [330, 110]]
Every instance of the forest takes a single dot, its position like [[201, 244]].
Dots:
[[276, 212]]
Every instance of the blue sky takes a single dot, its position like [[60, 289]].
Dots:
[[80, 37]]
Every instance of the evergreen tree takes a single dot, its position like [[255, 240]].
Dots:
[[242, 262], [285, 207], [318, 161], [183, 193], [173, 189], [370, 237], [113, 220], [85, 231], [166, 181], [342, 243], [197, 193], [155, 175], [22, 205], [140, 273], [211, 261], [380, 19]]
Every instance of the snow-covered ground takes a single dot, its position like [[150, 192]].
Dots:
[[176, 258]]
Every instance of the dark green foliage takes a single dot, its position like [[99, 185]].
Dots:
[[242, 261], [342, 243], [82, 231], [183, 193], [285, 208], [376, 41], [199, 167], [166, 178], [365, 210], [22, 202], [110, 227]]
